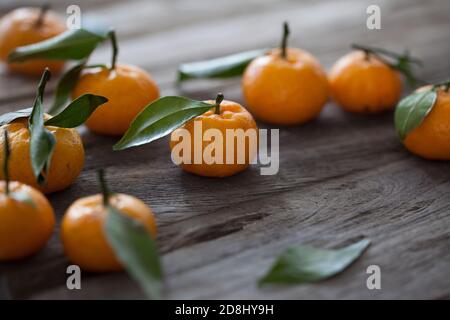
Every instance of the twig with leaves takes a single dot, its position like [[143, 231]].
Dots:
[[404, 63]]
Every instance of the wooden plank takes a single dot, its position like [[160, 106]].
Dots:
[[341, 177], [168, 48], [58, 5], [308, 210]]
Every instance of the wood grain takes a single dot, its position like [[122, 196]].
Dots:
[[342, 177]]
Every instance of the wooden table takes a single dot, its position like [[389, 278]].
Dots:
[[342, 177]]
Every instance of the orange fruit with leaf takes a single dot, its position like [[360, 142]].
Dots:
[[422, 122], [27, 219], [213, 139], [282, 86], [286, 86], [25, 26], [364, 81], [47, 152], [83, 233], [67, 158], [128, 88], [224, 116]]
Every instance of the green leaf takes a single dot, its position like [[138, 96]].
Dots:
[[224, 67], [159, 119], [302, 264], [136, 249], [66, 85], [42, 142], [77, 112], [14, 115], [23, 197], [404, 66], [18, 196], [6, 156], [70, 45], [412, 110]]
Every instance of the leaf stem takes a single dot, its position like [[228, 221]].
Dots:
[[6, 152], [115, 48], [283, 45], [46, 75], [385, 52], [401, 62], [44, 8], [106, 193], [366, 54], [445, 84], [219, 100]]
